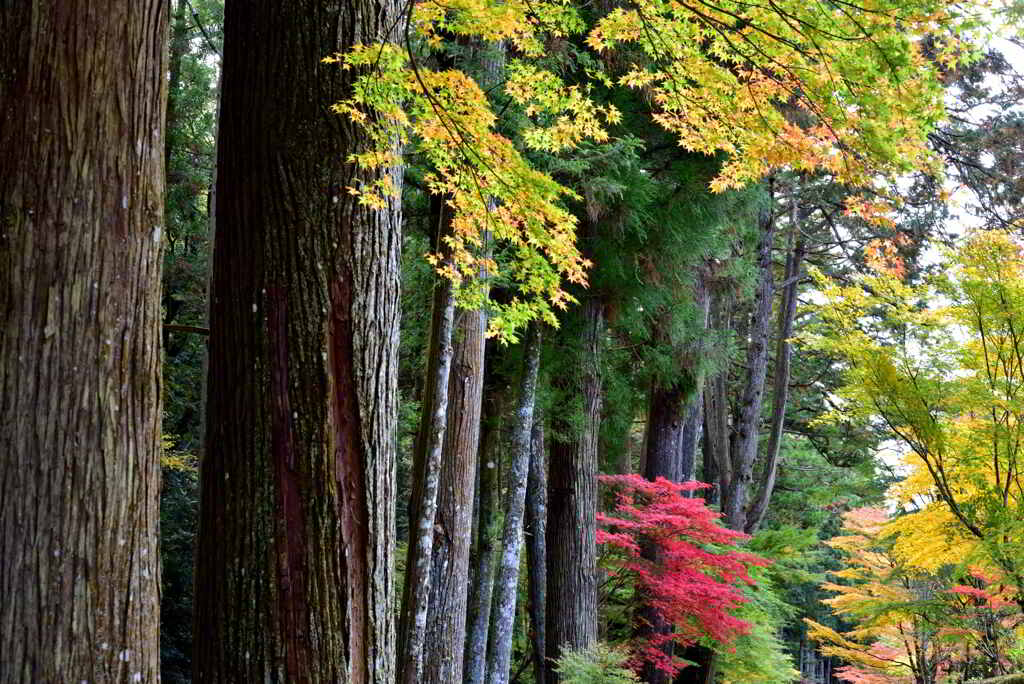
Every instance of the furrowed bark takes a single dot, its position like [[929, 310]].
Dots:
[[536, 551], [572, 508], [81, 235], [744, 453], [507, 583], [423, 503], [294, 564]]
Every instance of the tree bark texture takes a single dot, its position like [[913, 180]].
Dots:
[[481, 588], [744, 453], [427, 472], [449, 583], [572, 506], [294, 564], [82, 98], [507, 582], [536, 551]]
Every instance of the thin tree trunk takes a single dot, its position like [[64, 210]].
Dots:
[[481, 588], [446, 621], [572, 508], [83, 91], [507, 584], [748, 424], [294, 563], [694, 414], [449, 582], [717, 428], [536, 551], [427, 472], [715, 398], [780, 394]]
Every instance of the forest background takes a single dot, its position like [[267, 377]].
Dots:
[[627, 241]]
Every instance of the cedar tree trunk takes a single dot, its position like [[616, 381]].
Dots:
[[572, 507], [748, 423], [427, 468], [481, 588], [82, 97], [449, 582], [294, 564], [780, 393]]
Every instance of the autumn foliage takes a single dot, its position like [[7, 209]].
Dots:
[[696, 582]]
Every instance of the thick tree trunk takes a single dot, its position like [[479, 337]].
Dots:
[[294, 566], [507, 583], [572, 507], [744, 453], [536, 551], [83, 92], [481, 588], [427, 472]]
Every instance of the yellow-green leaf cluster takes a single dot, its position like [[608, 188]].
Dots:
[[849, 88], [941, 364], [493, 191]]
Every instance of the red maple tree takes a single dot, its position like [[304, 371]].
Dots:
[[680, 559]]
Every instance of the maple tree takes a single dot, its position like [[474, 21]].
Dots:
[[695, 583], [912, 624], [846, 88], [940, 364], [893, 639]]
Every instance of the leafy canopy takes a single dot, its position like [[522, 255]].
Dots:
[[844, 87], [941, 364]]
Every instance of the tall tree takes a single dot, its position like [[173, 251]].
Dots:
[[571, 609], [81, 210], [294, 574], [499, 655]]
